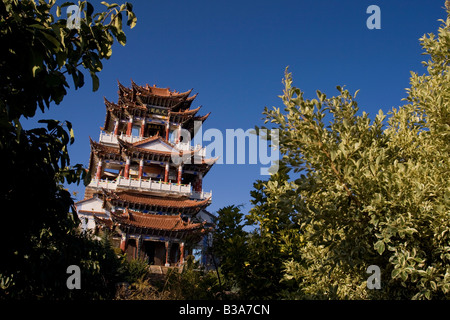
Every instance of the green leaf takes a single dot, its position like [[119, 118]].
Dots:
[[379, 246], [35, 69], [52, 39], [433, 285], [395, 273], [404, 275]]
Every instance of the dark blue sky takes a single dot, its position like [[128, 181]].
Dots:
[[233, 53]]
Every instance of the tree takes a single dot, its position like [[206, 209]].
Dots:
[[275, 238], [369, 192], [229, 246], [39, 225], [252, 262]]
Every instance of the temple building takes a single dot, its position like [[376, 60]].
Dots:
[[146, 182]]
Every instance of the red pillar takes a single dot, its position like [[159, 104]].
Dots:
[[129, 126], [141, 133], [141, 168], [166, 173], [99, 169], [180, 170], [198, 183], [126, 172]]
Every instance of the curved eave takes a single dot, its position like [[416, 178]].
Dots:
[[202, 118], [155, 222], [186, 112], [156, 202], [129, 147], [110, 106], [122, 88], [183, 116], [99, 148]]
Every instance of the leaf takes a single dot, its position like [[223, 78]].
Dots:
[[89, 9], [72, 135], [373, 170], [121, 37], [35, 70], [433, 285], [53, 40], [109, 6], [404, 275], [95, 82], [131, 22], [395, 273], [379, 246]]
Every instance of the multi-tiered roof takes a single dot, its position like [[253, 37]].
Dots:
[[136, 184]]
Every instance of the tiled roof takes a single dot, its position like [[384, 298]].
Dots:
[[186, 112], [103, 222], [161, 92], [154, 221], [103, 148], [153, 95], [128, 196]]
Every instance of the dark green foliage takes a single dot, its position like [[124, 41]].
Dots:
[[39, 228], [229, 244], [252, 262], [192, 283]]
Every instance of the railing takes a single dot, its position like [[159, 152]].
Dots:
[[152, 185], [187, 147], [200, 195], [140, 184], [103, 183], [112, 138]]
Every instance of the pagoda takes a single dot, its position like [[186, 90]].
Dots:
[[153, 204]]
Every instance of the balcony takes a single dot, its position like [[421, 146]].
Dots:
[[112, 138], [150, 185], [200, 195], [187, 147], [108, 138]]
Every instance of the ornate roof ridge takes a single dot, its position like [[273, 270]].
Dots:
[[159, 92]]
